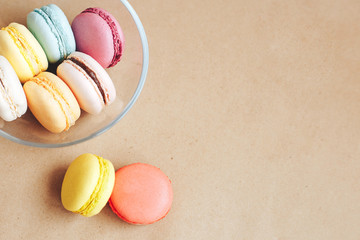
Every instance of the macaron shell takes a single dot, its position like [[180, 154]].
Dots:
[[90, 29], [63, 26], [45, 108], [65, 90], [42, 31], [142, 194], [121, 38], [35, 45], [86, 92], [79, 182], [14, 90], [118, 35]]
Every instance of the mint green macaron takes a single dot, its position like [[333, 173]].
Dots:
[[51, 28]]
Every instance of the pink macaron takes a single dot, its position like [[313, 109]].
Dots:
[[142, 194], [88, 80], [97, 27]]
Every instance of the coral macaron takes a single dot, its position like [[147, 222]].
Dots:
[[142, 194], [23, 51], [97, 27], [87, 184], [12, 97], [90, 83]]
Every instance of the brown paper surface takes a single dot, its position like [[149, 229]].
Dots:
[[252, 108]]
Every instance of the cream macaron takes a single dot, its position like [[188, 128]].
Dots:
[[90, 83], [12, 97]]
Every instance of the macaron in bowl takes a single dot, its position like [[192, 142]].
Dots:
[[90, 83], [96, 26], [23, 51], [12, 97], [51, 102], [129, 77], [51, 28], [87, 184]]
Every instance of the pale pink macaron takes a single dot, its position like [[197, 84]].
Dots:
[[98, 34], [88, 80], [142, 194]]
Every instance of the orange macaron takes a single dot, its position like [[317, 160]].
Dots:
[[142, 194], [51, 102]]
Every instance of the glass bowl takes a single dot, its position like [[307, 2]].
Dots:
[[128, 76]]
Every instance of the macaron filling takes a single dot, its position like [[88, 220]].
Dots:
[[59, 98], [46, 13], [6, 94], [92, 75], [114, 31], [25, 49], [98, 190]]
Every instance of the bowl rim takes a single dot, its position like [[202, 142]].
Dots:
[[145, 66]]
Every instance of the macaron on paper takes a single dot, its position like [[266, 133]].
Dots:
[[138, 193], [87, 184], [142, 194]]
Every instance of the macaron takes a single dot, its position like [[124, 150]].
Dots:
[[142, 194], [23, 51], [90, 83], [97, 27], [51, 28], [12, 97], [87, 184], [51, 102]]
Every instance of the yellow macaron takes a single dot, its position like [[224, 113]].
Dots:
[[87, 185], [23, 51]]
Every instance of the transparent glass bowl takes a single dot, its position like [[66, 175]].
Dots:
[[128, 76]]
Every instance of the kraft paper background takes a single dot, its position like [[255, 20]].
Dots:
[[252, 108]]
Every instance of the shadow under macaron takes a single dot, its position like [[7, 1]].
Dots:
[[54, 182]]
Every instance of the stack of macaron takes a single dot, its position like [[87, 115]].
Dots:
[[81, 53], [138, 193]]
